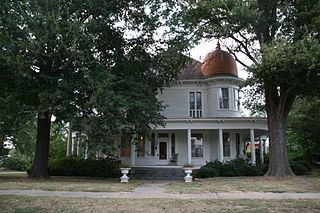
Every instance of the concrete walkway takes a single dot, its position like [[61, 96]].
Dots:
[[12, 172], [155, 189]]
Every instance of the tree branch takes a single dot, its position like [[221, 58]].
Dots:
[[235, 56], [247, 52]]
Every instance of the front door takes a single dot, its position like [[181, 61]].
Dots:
[[163, 150]]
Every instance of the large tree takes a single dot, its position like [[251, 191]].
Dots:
[[280, 38], [86, 59]]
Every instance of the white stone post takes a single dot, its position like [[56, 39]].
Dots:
[[261, 150], [220, 145], [133, 151], [189, 146], [265, 146], [253, 152]]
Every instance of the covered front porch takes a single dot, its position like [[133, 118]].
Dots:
[[196, 142]]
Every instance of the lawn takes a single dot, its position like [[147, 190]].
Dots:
[[21, 182], [248, 184], [57, 204]]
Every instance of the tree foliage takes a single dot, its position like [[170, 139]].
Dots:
[[280, 38], [89, 59], [303, 129]]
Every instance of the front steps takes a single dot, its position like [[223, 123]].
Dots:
[[156, 173]]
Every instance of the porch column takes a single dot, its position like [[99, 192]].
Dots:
[[261, 151], [189, 146], [69, 143], [78, 147], [265, 146], [133, 151], [253, 152], [169, 146], [220, 145], [86, 151]]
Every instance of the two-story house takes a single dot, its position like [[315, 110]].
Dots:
[[203, 119]]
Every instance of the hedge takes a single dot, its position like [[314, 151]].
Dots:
[[72, 166], [241, 167]]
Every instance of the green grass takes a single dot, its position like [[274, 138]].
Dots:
[[248, 184], [22, 182], [68, 205]]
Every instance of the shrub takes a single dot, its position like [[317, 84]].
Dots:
[[16, 162], [241, 167], [71, 166], [237, 167], [300, 167]]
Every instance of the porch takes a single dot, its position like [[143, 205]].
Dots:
[[196, 142]]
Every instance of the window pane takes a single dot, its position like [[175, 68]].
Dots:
[[225, 92], [192, 100], [197, 145], [199, 100]]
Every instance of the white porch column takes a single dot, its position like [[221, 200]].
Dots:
[[189, 146], [133, 151], [169, 146], [253, 152], [265, 146], [69, 143], [261, 151], [220, 145], [86, 151], [78, 147]]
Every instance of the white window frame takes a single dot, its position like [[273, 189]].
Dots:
[[236, 101], [196, 112]]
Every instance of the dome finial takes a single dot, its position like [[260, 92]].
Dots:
[[218, 45]]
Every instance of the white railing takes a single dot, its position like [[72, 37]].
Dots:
[[195, 113]]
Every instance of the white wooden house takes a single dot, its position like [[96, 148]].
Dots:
[[203, 119]]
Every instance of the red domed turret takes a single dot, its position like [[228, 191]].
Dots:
[[219, 62]]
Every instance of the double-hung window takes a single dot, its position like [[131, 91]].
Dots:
[[224, 98], [195, 104]]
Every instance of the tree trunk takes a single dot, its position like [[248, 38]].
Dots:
[[40, 164], [278, 107]]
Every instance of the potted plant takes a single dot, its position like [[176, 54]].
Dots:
[[124, 168], [188, 170]]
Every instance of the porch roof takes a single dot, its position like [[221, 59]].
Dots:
[[215, 123]]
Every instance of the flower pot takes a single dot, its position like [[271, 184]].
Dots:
[[124, 178], [188, 177]]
